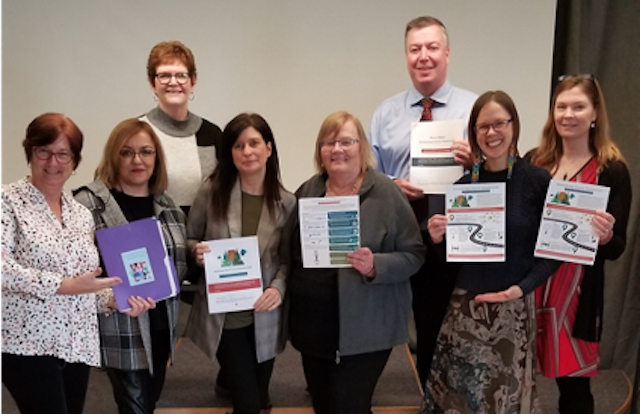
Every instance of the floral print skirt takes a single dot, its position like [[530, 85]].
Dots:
[[484, 359]]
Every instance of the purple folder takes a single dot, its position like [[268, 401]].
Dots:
[[136, 253]]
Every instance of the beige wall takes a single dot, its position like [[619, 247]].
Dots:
[[293, 61]]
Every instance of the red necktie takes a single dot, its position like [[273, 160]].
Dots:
[[427, 104]]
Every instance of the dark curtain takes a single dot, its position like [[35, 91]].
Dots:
[[602, 37]]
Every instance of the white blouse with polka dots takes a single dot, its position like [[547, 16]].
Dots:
[[38, 251]]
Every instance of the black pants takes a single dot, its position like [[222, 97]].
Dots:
[[45, 384], [346, 387], [575, 395], [432, 287], [137, 392], [248, 380]]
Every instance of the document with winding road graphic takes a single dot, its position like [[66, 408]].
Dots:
[[565, 230], [476, 227]]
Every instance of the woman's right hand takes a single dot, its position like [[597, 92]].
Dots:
[[87, 283], [437, 226], [199, 250]]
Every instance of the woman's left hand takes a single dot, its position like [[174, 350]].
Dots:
[[362, 260], [514, 292], [139, 306], [268, 301], [603, 226]]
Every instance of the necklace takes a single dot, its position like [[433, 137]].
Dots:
[[573, 167], [352, 191]]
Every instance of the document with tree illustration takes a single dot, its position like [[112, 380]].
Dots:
[[234, 276], [476, 226], [566, 232]]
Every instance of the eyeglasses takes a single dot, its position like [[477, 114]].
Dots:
[[497, 126], [165, 78], [581, 76], [145, 153], [44, 155], [345, 143]]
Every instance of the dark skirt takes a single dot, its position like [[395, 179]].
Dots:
[[484, 360]]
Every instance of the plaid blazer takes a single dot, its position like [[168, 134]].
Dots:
[[205, 329], [125, 342]]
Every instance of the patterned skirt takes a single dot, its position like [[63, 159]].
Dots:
[[484, 359]]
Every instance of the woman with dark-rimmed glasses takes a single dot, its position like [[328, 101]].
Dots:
[[50, 286], [576, 146]]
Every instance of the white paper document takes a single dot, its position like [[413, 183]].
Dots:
[[234, 277], [329, 229], [432, 165], [566, 232], [476, 226]]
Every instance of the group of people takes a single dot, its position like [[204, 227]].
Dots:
[[477, 341]]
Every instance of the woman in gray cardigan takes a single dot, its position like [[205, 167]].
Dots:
[[243, 197], [346, 321]]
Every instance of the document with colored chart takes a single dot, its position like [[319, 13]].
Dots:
[[329, 230], [476, 222], [566, 232], [433, 167], [233, 274]]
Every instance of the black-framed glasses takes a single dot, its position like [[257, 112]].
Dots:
[[144, 153], [165, 78], [44, 154], [497, 126], [344, 143]]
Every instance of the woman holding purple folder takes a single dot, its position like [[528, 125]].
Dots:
[[129, 185]]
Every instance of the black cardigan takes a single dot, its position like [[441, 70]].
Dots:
[[588, 323]]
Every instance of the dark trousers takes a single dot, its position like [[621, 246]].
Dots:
[[248, 380], [45, 384], [432, 287], [346, 387], [137, 392], [575, 395]]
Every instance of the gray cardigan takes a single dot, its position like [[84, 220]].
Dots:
[[374, 314]]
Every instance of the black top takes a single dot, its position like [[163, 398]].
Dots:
[[526, 192], [137, 208]]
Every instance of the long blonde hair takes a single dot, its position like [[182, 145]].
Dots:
[[550, 150]]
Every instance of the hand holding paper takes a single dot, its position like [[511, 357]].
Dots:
[[437, 226], [412, 191], [199, 250], [603, 223], [462, 153]]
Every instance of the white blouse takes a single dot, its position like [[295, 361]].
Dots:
[[37, 253]]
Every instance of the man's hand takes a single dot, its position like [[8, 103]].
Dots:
[[462, 153], [412, 191]]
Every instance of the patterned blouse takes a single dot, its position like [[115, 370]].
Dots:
[[37, 253]]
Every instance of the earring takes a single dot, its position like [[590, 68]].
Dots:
[[513, 151], [475, 171], [593, 125], [192, 96], [155, 98]]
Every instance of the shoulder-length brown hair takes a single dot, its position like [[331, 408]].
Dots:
[[107, 170], [605, 150], [330, 128]]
